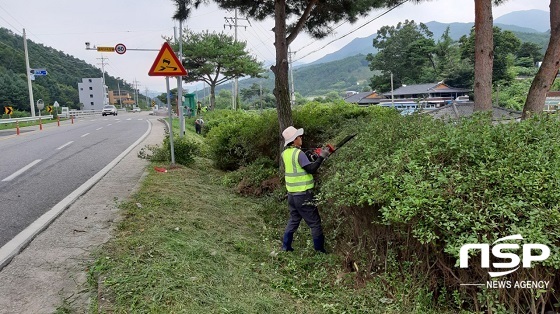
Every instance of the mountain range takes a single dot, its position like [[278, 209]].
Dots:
[[347, 68], [524, 22]]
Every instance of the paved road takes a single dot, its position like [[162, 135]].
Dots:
[[40, 168], [52, 270]]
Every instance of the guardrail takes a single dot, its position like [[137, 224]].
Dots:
[[26, 119], [82, 113]]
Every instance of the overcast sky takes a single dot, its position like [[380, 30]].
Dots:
[[140, 24]]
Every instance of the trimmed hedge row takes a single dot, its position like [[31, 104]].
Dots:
[[238, 138], [446, 185]]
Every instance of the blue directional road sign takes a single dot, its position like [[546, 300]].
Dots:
[[38, 72]]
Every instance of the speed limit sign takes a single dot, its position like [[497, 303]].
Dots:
[[120, 49]]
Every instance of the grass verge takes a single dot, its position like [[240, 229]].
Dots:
[[187, 244]]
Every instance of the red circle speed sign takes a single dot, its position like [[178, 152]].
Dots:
[[120, 49]]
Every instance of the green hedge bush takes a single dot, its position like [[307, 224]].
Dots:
[[446, 185], [237, 138]]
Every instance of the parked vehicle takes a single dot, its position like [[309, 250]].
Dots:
[[109, 110]]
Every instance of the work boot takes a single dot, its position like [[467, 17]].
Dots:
[[319, 244], [287, 242]]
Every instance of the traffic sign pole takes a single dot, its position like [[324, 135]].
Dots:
[[170, 122]]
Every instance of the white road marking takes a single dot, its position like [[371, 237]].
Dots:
[[99, 128], [85, 135], [109, 124], [61, 147], [128, 119], [22, 170]]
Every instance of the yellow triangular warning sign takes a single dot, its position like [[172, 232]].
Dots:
[[167, 63]]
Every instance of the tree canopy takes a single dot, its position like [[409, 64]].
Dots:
[[406, 50], [215, 58]]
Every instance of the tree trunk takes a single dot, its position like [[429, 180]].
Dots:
[[483, 55], [549, 67], [280, 69], [212, 96]]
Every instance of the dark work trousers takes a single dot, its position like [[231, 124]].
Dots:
[[303, 206]]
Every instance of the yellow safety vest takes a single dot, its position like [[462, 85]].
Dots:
[[297, 179]]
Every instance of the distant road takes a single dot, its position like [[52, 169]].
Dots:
[[40, 168]]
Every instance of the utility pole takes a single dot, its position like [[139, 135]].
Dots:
[[136, 91], [30, 87], [147, 99], [103, 71], [119, 88], [232, 22], [292, 92], [180, 81]]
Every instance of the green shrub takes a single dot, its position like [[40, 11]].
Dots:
[[431, 187], [16, 114], [184, 149], [258, 178], [237, 138]]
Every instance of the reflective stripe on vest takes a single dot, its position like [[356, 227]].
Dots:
[[297, 179]]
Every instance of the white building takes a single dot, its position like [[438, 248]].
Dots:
[[93, 93]]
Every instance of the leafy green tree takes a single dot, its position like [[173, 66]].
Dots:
[[255, 97], [223, 100], [215, 58], [406, 50], [530, 50], [252, 92], [505, 45]]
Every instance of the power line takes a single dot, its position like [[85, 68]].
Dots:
[[368, 22], [316, 40], [232, 23]]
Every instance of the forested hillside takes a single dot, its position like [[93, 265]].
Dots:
[[61, 83], [317, 80]]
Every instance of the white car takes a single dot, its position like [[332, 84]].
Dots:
[[109, 110]]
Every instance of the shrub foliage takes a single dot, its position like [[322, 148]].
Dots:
[[433, 187], [409, 191]]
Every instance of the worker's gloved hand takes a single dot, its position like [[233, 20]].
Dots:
[[325, 152]]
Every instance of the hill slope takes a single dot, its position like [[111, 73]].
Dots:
[[317, 80], [61, 83], [535, 19]]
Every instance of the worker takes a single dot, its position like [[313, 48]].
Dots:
[[299, 183], [198, 124]]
